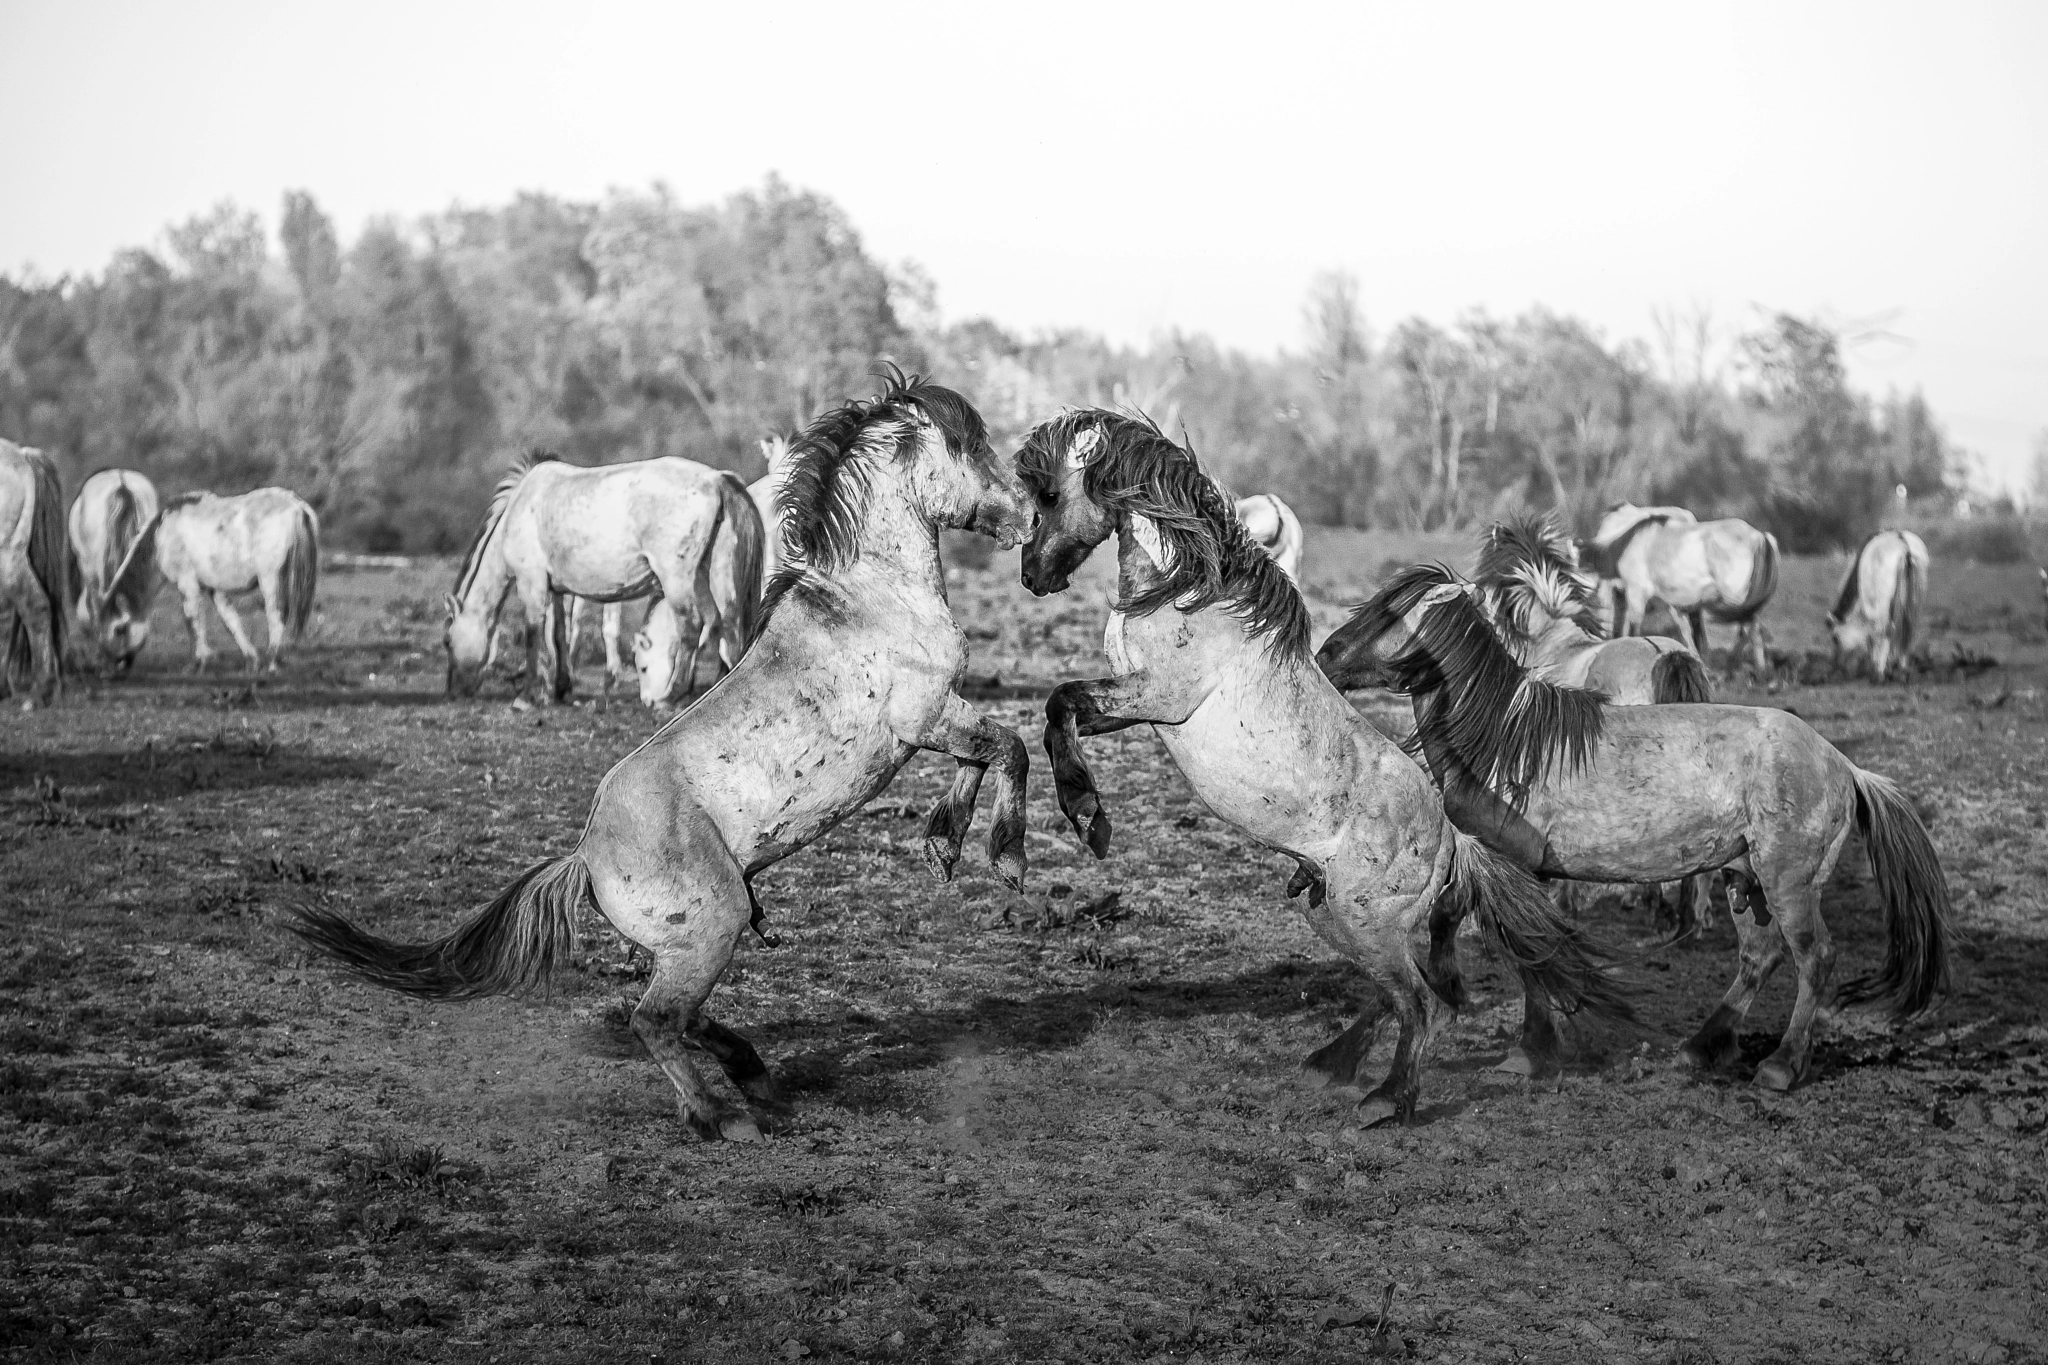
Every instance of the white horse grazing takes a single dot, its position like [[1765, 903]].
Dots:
[[1277, 530], [766, 491], [1878, 608], [107, 517], [657, 648], [35, 576], [1724, 569], [612, 533], [265, 540]]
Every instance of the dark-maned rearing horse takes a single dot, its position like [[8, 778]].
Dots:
[[854, 670], [1578, 789], [1208, 643]]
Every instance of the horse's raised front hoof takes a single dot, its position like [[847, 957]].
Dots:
[[1776, 1075], [1380, 1111]]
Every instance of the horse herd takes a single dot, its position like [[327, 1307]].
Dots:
[[1542, 753]]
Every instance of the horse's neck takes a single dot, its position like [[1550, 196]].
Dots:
[[488, 586], [1554, 643], [1140, 556], [898, 544]]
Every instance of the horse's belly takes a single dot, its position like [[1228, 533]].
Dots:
[[1617, 825]]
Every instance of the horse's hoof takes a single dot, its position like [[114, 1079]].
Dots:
[[939, 856], [1009, 867], [1775, 1075], [1707, 1056], [740, 1128], [1520, 1062], [1377, 1111]]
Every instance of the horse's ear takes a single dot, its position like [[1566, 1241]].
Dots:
[[451, 606], [1086, 448]]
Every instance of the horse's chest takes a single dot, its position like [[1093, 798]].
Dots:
[[1116, 642]]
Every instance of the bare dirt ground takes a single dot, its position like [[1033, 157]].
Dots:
[[1065, 1126]]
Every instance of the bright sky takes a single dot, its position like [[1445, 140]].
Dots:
[[1135, 168]]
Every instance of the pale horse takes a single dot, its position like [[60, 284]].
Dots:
[[1724, 569], [107, 517], [267, 540], [856, 667], [1877, 610], [612, 533], [1275, 529], [35, 575]]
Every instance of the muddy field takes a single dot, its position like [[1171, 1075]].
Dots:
[[1063, 1126]]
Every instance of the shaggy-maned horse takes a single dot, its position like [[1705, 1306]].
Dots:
[[35, 573], [1726, 570], [107, 517], [1208, 643], [1277, 530], [1577, 789], [1878, 609], [267, 540], [1543, 605], [855, 669], [765, 491], [610, 533]]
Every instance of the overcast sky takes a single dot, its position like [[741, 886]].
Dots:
[[1131, 169]]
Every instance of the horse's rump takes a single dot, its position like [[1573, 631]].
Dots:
[[1763, 582], [1679, 677], [49, 557]]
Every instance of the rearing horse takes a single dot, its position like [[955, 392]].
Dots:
[[609, 534], [855, 669], [1208, 644]]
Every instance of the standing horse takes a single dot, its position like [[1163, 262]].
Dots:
[[611, 533], [35, 574], [210, 546], [1575, 789], [1878, 609], [1208, 643], [1726, 570], [855, 669], [107, 517], [1277, 530], [657, 647]]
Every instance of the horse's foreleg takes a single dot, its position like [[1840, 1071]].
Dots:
[[553, 674], [978, 744], [1337, 1062], [613, 619], [233, 621], [1100, 706], [192, 602]]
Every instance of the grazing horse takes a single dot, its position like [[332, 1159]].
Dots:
[[765, 491], [210, 546], [1208, 642], [35, 574], [610, 533], [107, 517], [1576, 789], [1878, 608], [1277, 530], [657, 646], [1726, 570], [855, 668]]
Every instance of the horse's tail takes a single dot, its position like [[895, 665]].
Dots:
[[124, 524], [736, 506], [513, 944], [50, 560], [1763, 581], [1679, 676], [301, 573], [1571, 970], [1906, 595], [1916, 905]]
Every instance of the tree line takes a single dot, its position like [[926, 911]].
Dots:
[[388, 381]]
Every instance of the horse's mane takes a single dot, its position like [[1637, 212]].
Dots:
[[1508, 727], [177, 500], [823, 499], [501, 497], [1527, 561], [1212, 559], [1607, 558]]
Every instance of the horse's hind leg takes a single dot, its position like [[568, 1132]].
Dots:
[[611, 623], [1539, 1052], [1763, 948], [1338, 1061], [232, 619], [34, 610], [272, 586]]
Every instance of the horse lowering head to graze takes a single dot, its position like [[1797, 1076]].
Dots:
[[649, 528], [1877, 609], [35, 573], [1209, 644], [1571, 787], [1277, 530], [108, 516], [854, 668]]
